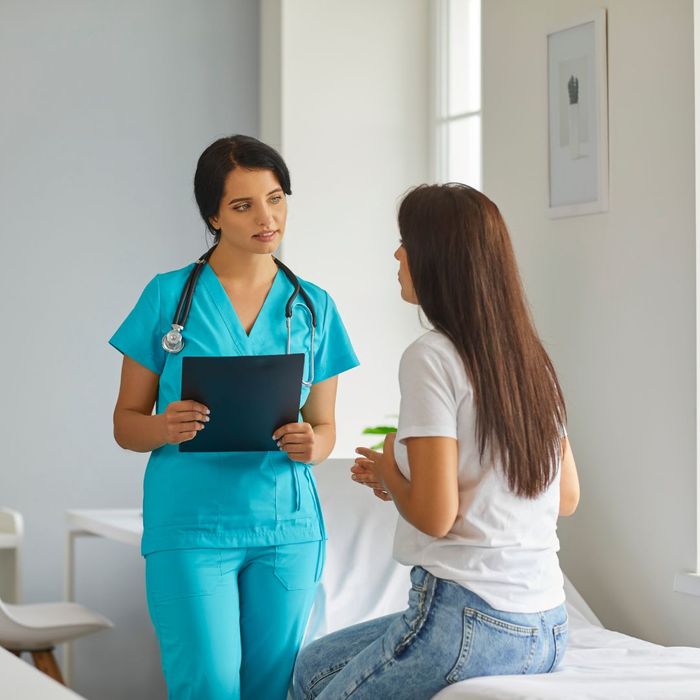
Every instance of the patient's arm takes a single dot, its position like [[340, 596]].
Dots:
[[430, 500], [569, 491]]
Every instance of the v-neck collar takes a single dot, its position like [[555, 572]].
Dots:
[[272, 304]]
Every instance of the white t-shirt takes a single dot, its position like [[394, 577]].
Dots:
[[502, 547]]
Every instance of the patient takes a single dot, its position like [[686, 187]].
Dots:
[[479, 471]]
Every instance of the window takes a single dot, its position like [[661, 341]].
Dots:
[[456, 139]]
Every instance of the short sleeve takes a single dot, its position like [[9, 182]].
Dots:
[[428, 403], [139, 336], [334, 352]]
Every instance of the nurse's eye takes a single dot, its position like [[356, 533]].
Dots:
[[242, 207], [276, 199]]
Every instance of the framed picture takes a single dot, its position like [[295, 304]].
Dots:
[[577, 88]]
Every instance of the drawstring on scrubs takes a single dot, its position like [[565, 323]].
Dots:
[[317, 504], [297, 490], [294, 466]]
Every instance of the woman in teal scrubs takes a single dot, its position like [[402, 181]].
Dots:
[[234, 542]]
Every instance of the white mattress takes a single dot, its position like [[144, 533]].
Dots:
[[361, 581]]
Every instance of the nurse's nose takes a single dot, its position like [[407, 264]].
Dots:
[[265, 217]]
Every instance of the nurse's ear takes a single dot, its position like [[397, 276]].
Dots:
[[214, 222]]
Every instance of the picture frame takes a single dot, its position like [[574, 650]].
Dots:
[[577, 100]]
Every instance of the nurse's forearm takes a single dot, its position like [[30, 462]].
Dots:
[[324, 441], [138, 432]]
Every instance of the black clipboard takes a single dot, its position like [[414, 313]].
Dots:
[[249, 398]]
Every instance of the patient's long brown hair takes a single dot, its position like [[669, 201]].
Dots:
[[466, 280]]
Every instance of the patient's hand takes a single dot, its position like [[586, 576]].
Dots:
[[363, 473]]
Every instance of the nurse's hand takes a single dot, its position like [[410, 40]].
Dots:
[[182, 420], [297, 440]]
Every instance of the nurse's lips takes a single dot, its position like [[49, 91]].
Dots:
[[265, 236]]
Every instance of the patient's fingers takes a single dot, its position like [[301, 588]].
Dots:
[[361, 472], [365, 477], [362, 469], [369, 454], [383, 495], [367, 480], [364, 462]]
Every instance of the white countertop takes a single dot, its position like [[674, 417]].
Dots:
[[123, 525], [20, 680]]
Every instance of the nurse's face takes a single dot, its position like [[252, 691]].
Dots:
[[252, 212], [408, 293]]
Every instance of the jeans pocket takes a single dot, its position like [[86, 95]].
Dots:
[[493, 647], [560, 634], [299, 566], [182, 573]]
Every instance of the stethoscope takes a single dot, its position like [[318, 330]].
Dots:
[[174, 342]]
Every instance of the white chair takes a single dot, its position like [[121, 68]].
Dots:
[[38, 627], [11, 536]]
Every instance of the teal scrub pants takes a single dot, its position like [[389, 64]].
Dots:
[[230, 621]]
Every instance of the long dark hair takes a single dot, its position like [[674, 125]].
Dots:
[[220, 158], [467, 283]]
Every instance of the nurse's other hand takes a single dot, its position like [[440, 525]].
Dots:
[[297, 440], [182, 420]]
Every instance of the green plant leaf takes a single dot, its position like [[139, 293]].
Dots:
[[379, 430]]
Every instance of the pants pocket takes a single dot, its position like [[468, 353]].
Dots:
[[560, 633], [299, 566], [182, 573], [493, 646]]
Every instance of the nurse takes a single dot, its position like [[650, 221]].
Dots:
[[234, 542]]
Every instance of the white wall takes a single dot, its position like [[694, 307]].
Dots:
[[345, 97], [613, 296], [105, 109]]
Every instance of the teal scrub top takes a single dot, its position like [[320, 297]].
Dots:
[[228, 499]]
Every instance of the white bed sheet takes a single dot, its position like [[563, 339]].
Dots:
[[599, 665], [361, 581]]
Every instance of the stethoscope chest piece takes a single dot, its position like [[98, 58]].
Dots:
[[173, 340]]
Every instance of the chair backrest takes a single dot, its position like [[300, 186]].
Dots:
[[11, 538]]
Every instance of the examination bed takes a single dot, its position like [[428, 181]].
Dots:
[[361, 581]]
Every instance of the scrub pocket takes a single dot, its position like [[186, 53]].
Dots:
[[175, 574], [493, 646], [299, 566]]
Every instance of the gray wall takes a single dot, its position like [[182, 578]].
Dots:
[[105, 109], [614, 297]]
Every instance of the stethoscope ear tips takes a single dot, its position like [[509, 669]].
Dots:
[[172, 340]]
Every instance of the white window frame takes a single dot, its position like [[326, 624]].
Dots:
[[688, 581], [439, 142]]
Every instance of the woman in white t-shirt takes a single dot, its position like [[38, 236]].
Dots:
[[479, 471]]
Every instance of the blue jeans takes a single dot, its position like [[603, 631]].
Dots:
[[447, 634]]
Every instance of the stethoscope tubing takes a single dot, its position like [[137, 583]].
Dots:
[[173, 342]]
